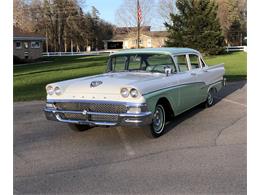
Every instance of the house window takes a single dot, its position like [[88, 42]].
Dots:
[[26, 45], [134, 42], [18, 45], [35, 44]]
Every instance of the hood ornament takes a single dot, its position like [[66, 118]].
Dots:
[[95, 83]]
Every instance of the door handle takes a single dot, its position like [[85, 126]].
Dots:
[[204, 70], [193, 74]]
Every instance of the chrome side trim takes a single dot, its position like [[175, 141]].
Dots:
[[175, 86]]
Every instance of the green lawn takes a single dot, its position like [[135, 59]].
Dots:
[[30, 80], [235, 64]]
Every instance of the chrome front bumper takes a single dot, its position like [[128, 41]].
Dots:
[[122, 119]]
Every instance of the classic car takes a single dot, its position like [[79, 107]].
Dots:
[[141, 87]]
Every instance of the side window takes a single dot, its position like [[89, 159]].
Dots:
[[182, 63], [159, 62], [118, 63], [134, 62], [194, 61]]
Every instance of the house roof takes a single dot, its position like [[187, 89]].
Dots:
[[162, 50], [126, 30], [121, 37], [157, 33], [19, 34]]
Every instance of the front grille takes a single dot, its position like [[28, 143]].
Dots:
[[81, 117], [74, 116], [92, 107], [110, 118]]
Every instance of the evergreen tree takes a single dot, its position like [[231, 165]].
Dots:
[[196, 25]]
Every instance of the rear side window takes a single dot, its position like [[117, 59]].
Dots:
[[182, 63], [194, 61]]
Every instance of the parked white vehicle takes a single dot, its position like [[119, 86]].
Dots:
[[141, 87]]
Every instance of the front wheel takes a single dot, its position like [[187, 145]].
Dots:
[[76, 127], [156, 129]]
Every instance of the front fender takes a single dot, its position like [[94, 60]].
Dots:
[[172, 95]]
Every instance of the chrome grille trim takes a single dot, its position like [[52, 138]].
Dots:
[[91, 107], [110, 118], [71, 116]]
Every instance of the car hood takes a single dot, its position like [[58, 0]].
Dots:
[[109, 83]]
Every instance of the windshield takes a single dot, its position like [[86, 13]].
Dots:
[[141, 62]]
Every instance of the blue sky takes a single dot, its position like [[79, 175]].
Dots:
[[107, 9]]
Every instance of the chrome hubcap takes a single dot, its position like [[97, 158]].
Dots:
[[158, 120], [210, 98]]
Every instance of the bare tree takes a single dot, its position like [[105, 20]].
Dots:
[[21, 15], [126, 14], [165, 8], [232, 16], [63, 22]]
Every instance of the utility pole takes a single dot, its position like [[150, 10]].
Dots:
[[139, 17]]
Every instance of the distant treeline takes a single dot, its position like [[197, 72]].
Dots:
[[63, 23]]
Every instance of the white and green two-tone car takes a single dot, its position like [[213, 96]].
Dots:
[[142, 87]]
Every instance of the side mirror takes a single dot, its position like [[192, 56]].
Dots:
[[205, 70], [167, 71]]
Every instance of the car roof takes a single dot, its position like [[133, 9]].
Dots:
[[161, 50]]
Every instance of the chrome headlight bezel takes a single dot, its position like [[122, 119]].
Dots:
[[49, 90], [134, 93], [57, 90], [124, 92]]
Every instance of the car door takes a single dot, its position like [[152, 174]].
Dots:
[[188, 88], [198, 76]]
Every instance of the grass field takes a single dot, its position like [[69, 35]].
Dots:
[[30, 80], [235, 64]]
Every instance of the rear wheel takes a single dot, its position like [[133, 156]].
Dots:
[[76, 127], [210, 98], [156, 129]]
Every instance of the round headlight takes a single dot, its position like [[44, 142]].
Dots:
[[57, 91], [50, 90], [124, 92], [134, 93]]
